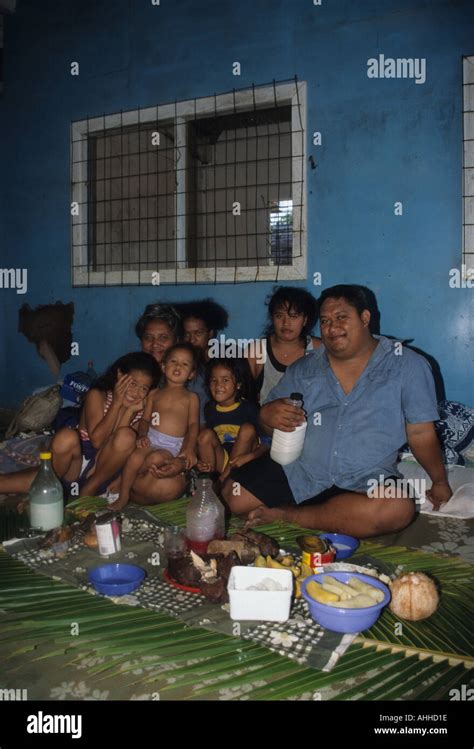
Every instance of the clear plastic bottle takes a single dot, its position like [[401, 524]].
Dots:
[[205, 517], [46, 497]]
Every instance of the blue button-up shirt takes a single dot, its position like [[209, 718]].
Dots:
[[352, 439]]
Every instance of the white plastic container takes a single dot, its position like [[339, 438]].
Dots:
[[287, 446], [259, 605]]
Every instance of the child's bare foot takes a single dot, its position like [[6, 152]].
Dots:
[[119, 504], [114, 486]]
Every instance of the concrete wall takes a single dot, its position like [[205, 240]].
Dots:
[[382, 141]]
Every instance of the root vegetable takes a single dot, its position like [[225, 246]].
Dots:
[[342, 594], [366, 589], [343, 588], [319, 593], [357, 602]]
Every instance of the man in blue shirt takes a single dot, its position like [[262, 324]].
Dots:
[[364, 397]]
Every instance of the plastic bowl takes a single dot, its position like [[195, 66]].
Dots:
[[339, 538], [345, 620], [116, 579]]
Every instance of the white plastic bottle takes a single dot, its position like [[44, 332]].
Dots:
[[46, 497], [205, 517], [288, 446]]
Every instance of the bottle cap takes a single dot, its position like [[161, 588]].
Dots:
[[296, 397], [45, 456]]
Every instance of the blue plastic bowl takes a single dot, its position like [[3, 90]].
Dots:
[[340, 538], [116, 579], [345, 620]]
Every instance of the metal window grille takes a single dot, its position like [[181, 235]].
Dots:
[[207, 190], [468, 164]]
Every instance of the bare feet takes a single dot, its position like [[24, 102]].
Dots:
[[262, 515], [119, 504]]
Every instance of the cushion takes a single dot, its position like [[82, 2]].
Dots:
[[455, 430]]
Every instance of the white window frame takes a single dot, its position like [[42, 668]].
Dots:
[[293, 93], [468, 168]]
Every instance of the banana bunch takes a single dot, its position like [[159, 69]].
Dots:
[[286, 562]]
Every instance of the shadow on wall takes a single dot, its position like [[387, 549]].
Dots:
[[375, 330]]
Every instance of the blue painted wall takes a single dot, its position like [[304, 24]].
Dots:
[[383, 141]]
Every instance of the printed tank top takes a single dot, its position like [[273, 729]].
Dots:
[[84, 434]]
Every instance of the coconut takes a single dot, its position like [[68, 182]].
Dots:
[[414, 596]]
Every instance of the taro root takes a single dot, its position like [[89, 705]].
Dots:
[[215, 592], [414, 596], [225, 564], [183, 571], [267, 545], [56, 536], [247, 552]]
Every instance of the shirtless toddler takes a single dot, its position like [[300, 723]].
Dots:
[[170, 423]]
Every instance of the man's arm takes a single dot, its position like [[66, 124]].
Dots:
[[425, 447]]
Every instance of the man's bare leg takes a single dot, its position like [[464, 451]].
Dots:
[[351, 513]]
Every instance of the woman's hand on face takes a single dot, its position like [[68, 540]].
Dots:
[[281, 415], [120, 388], [136, 406]]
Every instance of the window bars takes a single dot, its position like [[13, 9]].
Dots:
[[202, 191]]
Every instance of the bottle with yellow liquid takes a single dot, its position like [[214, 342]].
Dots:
[[46, 497]]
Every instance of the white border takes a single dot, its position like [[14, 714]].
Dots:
[[179, 113]]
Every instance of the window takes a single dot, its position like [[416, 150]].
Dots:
[[468, 165], [201, 191]]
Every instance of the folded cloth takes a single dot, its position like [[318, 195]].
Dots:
[[461, 481]]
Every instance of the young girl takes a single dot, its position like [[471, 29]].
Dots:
[[94, 453], [169, 426], [231, 437]]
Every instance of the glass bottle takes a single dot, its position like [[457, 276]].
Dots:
[[46, 497], [205, 517]]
